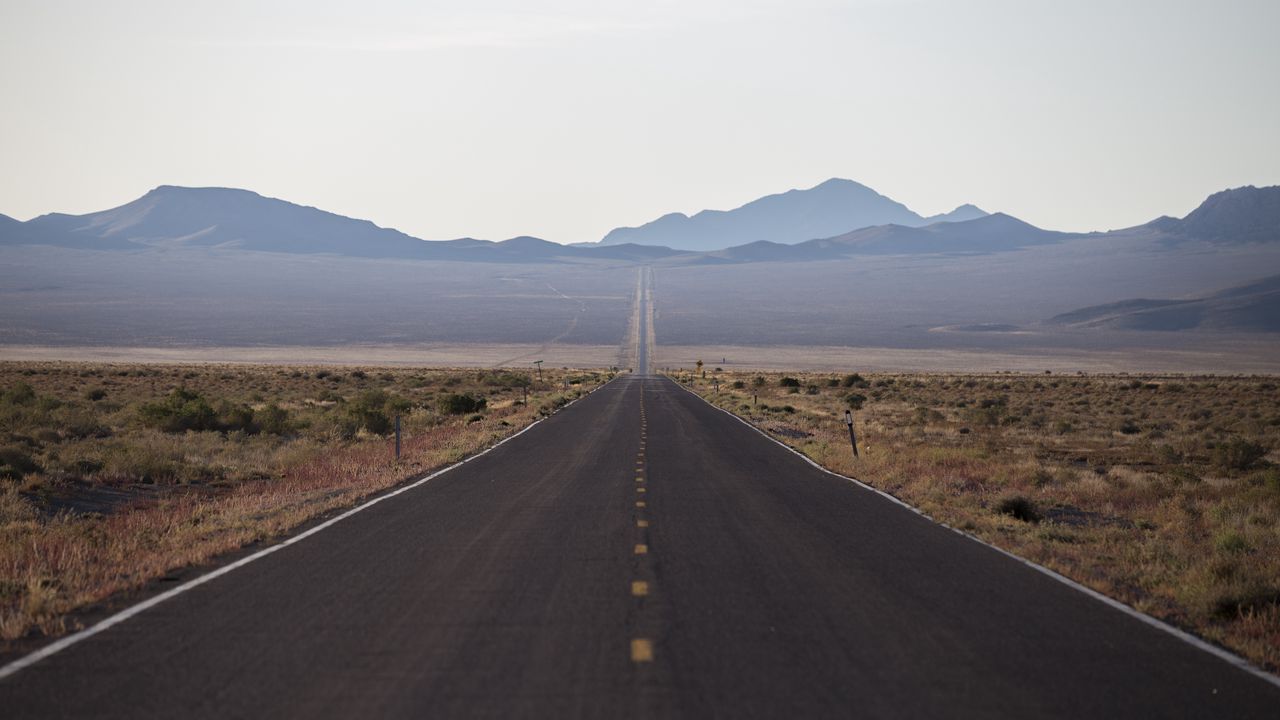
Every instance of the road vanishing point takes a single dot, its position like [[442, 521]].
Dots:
[[638, 554]]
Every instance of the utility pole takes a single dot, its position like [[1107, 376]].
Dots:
[[848, 420], [539, 364]]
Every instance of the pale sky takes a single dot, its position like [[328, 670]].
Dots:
[[566, 119]]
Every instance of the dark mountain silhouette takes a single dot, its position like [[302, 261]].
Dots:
[[1254, 307], [226, 218], [992, 233], [834, 207]]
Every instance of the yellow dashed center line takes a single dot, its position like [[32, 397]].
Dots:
[[641, 650]]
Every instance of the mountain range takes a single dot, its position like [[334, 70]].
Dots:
[[231, 219], [832, 208], [225, 267]]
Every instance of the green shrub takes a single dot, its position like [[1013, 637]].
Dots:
[[16, 461], [738, 385], [1231, 543], [853, 380], [19, 394], [369, 411], [788, 382], [461, 404], [507, 380], [144, 463], [855, 401], [273, 420], [233, 417], [1237, 454], [95, 394], [182, 410], [990, 415], [79, 423]]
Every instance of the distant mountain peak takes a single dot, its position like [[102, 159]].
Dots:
[[832, 207], [962, 213], [1239, 215], [837, 183], [197, 190]]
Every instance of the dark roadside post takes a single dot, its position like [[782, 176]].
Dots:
[[397, 437], [848, 420], [539, 364]]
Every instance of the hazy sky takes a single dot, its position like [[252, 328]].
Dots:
[[564, 119]]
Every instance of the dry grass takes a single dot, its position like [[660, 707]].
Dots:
[[99, 494], [1158, 491]]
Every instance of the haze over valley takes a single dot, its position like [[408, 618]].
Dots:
[[837, 265]]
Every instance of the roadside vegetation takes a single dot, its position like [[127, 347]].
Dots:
[[1162, 492], [114, 476]]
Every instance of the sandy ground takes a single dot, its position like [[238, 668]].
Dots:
[[578, 356], [1263, 358]]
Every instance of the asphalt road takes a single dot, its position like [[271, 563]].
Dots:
[[639, 554]]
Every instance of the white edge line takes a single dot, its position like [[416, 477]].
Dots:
[[62, 644], [1156, 623]]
